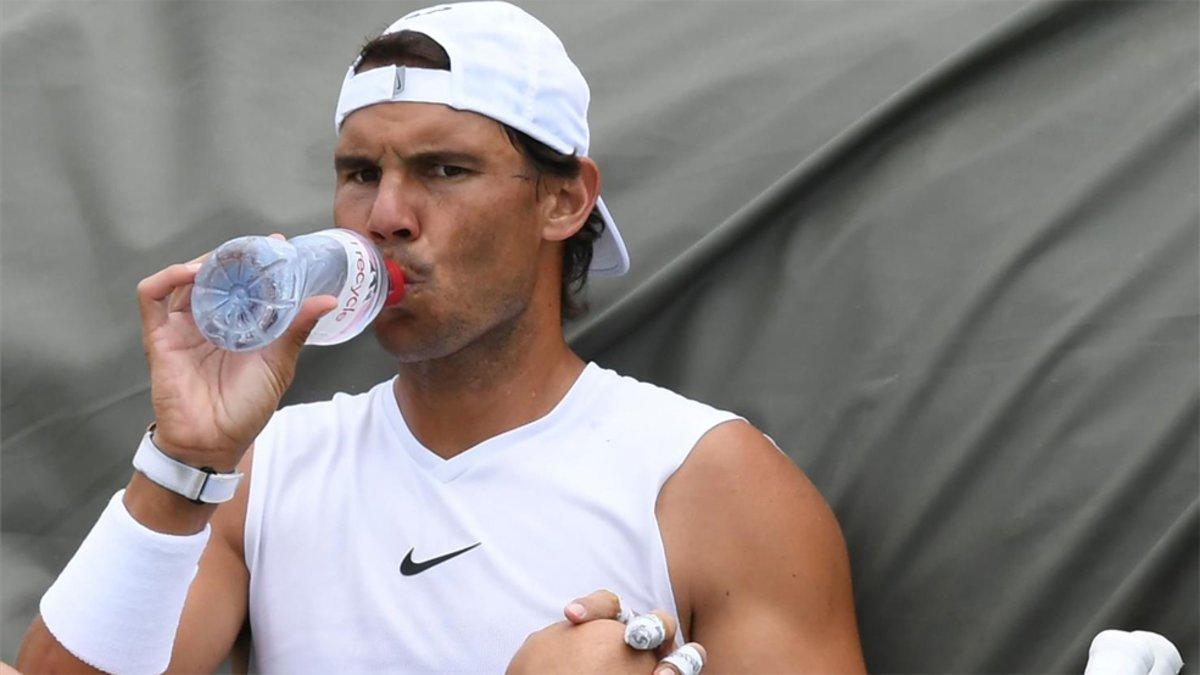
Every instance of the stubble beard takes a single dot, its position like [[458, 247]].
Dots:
[[459, 342]]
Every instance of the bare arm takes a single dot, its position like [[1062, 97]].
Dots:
[[757, 560], [216, 604], [209, 406]]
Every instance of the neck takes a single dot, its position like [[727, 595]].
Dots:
[[514, 375]]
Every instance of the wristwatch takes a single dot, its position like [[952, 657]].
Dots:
[[202, 486]]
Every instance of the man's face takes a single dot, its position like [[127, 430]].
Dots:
[[447, 196]]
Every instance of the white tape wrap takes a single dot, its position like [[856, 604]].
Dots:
[[623, 613], [116, 605], [645, 632], [686, 660]]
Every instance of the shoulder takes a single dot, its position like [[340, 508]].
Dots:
[[306, 437], [311, 425], [300, 419], [653, 427], [633, 401], [736, 472], [315, 412]]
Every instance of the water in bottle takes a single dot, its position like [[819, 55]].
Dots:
[[248, 291]]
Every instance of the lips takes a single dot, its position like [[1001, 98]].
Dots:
[[412, 274], [413, 280]]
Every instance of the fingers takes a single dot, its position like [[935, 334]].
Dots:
[[153, 293], [687, 660], [653, 631], [603, 604], [181, 297], [170, 290]]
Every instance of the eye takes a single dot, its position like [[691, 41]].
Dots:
[[363, 176], [447, 171]]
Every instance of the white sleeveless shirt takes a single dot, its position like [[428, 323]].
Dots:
[[349, 514]]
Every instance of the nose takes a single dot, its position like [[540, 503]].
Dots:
[[393, 216]]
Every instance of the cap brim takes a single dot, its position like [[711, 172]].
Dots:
[[609, 257]]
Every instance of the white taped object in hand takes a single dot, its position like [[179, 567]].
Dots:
[[645, 632], [623, 613], [117, 604], [1117, 652], [686, 660]]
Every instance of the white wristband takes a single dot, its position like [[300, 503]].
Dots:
[[116, 605], [202, 486]]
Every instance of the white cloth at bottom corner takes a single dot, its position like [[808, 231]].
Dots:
[[1118, 652]]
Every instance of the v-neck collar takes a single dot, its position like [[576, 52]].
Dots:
[[446, 470]]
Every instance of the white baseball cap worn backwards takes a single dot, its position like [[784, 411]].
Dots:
[[506, 65]]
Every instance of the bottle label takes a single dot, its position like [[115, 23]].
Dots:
[[361, 295], [360, 281]]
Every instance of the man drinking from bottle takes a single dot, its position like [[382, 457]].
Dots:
[[442, 520]]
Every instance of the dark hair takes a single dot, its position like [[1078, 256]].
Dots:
[[409, 48]]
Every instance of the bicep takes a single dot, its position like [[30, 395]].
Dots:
[[756, 634], [760, 557]]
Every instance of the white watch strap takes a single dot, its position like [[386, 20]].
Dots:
[[195, 484]]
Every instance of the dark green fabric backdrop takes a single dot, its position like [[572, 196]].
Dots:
[[944, 253]]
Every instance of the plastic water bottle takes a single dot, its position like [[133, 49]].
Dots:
[[248, 291]]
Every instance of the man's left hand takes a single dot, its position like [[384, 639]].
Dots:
[[592, 640]]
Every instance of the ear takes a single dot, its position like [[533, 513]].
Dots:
[[569, 201]]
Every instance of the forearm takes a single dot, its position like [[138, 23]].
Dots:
[[154, 507], [164, 511], [118, 602], [41, 653]]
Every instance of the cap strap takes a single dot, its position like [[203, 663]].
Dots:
[[391, 83]]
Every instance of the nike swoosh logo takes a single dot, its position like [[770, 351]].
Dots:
[[408, 567]]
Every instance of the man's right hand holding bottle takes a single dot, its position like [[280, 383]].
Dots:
[[209, 404]]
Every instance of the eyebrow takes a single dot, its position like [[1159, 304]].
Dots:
[[355, 162], [352, 162], [445, 157]]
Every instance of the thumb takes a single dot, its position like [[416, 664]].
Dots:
[[287, 348], [281, 355], [306, 319]]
